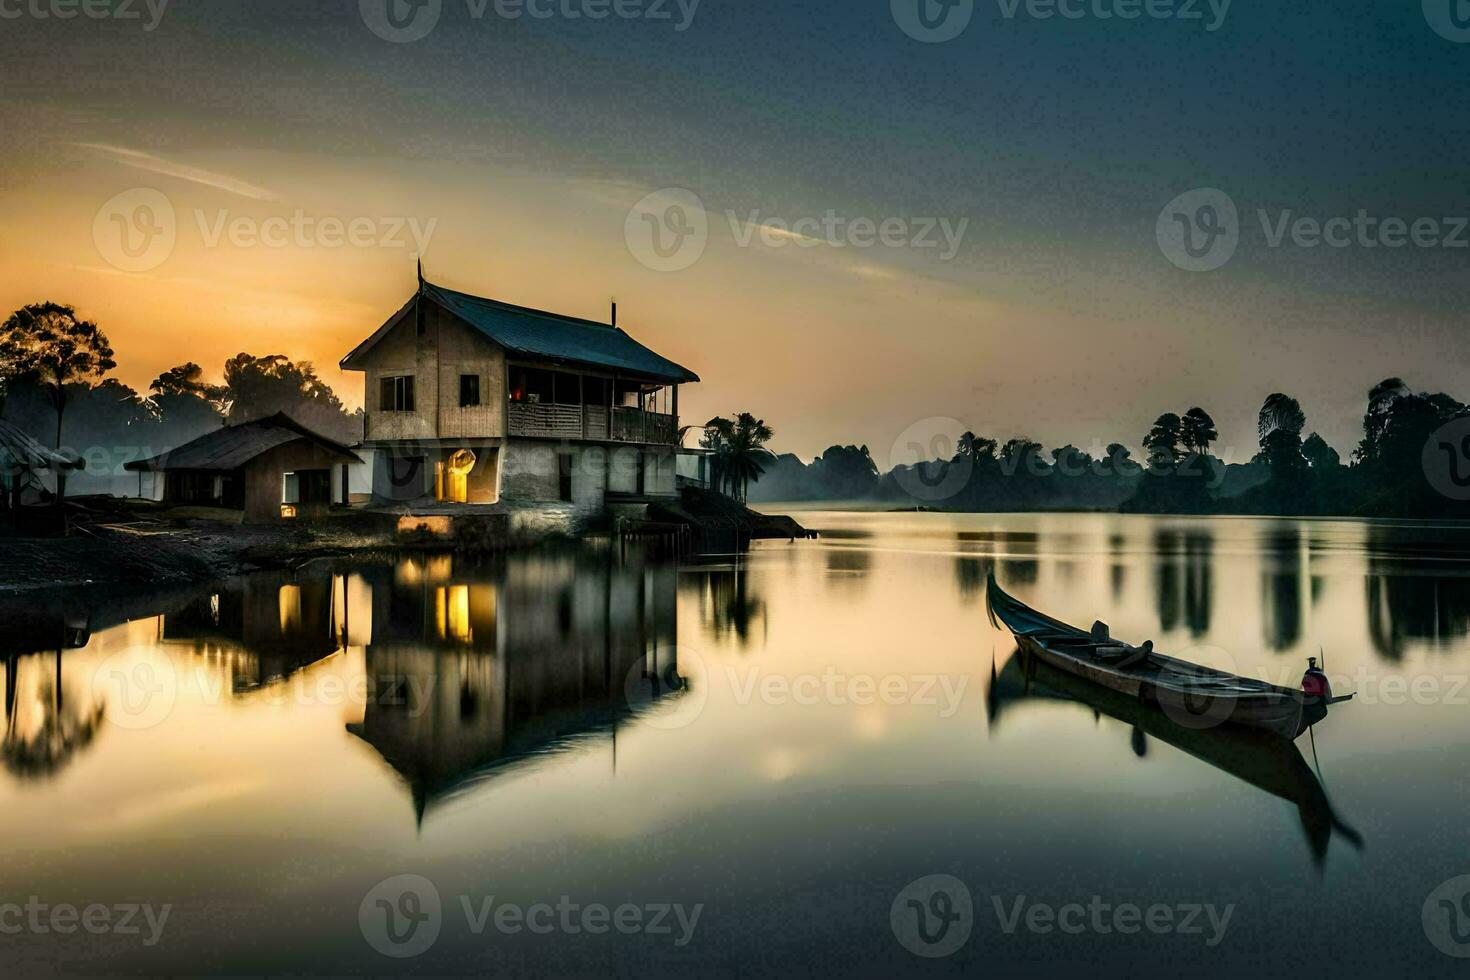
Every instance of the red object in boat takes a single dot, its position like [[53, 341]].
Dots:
[[1314, 681]]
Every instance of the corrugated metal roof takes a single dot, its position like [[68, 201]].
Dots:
[[19, 450], [550, 336], [233, 446]]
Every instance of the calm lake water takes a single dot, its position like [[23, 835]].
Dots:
[[600, 764]]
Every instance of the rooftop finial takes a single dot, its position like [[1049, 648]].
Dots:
[[615, 312], [421, 270]]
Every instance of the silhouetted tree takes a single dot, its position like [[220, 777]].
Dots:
[[260, 386], [49, 344], [1163, 441], [740, 456], [1280, 412], [1197, 431], [1380, 402], [1320, 455]]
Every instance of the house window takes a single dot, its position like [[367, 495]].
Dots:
[[396, 394], [469, 390]]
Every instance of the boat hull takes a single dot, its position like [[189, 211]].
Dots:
[[1192, 695]]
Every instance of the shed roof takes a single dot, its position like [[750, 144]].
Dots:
[[539, 334], [233, 446], [19, 451]]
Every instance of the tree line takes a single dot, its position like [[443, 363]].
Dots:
[[55, 385], [1413, 461]]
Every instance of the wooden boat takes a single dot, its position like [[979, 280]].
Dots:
[[1259, 758], [1190, 694]]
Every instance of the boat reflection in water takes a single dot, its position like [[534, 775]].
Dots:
[[474, 668], [1264, 760]]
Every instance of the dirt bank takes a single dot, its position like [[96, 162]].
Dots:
[[154, 554]]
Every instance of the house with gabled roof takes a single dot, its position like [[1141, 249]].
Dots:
[[472, 401], [269, 469]]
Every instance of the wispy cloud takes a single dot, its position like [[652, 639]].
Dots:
[[168, 168]]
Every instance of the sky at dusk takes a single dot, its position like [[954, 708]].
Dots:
[[515, 149]]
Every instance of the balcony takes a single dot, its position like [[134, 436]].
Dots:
[[594, 422]]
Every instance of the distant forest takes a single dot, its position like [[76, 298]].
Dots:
[[1413, 461]]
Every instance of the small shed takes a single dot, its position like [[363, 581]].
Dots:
[[271, 469], [23, 459]]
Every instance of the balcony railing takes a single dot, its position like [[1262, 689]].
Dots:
[[543, 421]]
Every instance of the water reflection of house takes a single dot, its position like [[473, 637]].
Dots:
[[474, 667], [264, 627]]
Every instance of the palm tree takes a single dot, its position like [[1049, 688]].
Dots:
[[740, 455]]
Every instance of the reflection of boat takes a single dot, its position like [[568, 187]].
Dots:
[[1205, 695], [1259, 758]]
